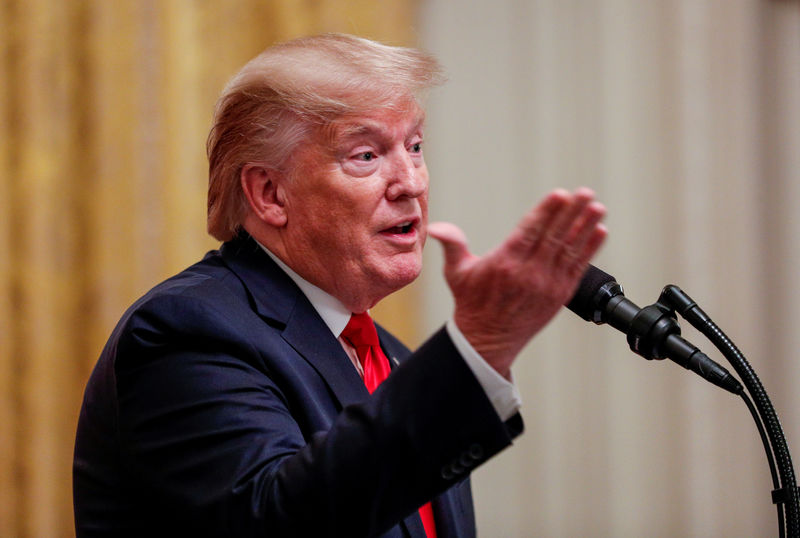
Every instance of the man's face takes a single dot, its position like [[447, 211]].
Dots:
[[357, 206]]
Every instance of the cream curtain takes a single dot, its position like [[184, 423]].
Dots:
[[104, 110], [684, 115]]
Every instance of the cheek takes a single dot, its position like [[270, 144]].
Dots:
[[342, 223], [363, 202]]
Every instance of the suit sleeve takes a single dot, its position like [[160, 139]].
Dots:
[[210, 435]]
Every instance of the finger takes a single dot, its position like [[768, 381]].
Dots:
[[579, 258], [583, 240], [553, 245], [453, 241], [565, 220], [585, 225], [593, 244], [534, 224]]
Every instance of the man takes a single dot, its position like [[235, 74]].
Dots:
[[237, 398]]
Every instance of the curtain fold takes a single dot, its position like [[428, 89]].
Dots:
[[104, 111]]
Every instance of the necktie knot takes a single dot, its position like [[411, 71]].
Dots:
[[360, 331], [362, 335]]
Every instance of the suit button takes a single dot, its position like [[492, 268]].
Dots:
[[476, 451], [471, 456], [447, 473]]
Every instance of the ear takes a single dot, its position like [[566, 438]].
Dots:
[[263, 188]]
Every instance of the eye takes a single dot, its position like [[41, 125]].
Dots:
[[366, 156], [416, 148]]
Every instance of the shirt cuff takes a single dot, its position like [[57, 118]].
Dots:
[[502, 393]]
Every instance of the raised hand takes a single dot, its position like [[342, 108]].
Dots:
[[507, 296]]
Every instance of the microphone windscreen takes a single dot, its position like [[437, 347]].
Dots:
[[583, 302]]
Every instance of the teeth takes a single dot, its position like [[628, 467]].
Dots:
[[402, 228]]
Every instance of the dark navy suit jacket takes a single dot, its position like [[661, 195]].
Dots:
[[222, 405]]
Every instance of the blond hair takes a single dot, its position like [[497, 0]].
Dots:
[[277, 98]]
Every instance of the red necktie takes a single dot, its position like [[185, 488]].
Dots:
[[360, 332]]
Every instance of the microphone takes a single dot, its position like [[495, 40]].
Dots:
[[652, 331]]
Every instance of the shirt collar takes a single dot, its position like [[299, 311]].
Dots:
[[330, 309]]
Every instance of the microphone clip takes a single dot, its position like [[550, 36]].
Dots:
[[653, 332], [650, 329]]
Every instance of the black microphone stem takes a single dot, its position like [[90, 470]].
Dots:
[[787, 495]]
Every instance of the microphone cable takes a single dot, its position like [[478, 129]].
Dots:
[[770, 459], [786, 495]]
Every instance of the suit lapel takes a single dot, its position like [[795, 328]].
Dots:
[[276, 298], [308, 335]]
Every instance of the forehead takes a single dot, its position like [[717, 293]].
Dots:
[[384, 123]]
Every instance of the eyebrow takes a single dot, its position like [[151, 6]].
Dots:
[[346, 130]]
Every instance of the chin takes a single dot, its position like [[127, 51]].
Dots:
[[402, 273]]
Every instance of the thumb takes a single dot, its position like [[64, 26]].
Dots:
[[453, 241]]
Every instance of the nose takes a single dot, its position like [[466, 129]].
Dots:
[[407, 178]]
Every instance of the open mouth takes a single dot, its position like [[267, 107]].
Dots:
[[400, 229]]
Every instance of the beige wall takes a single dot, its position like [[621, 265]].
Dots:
[[684, 116]]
